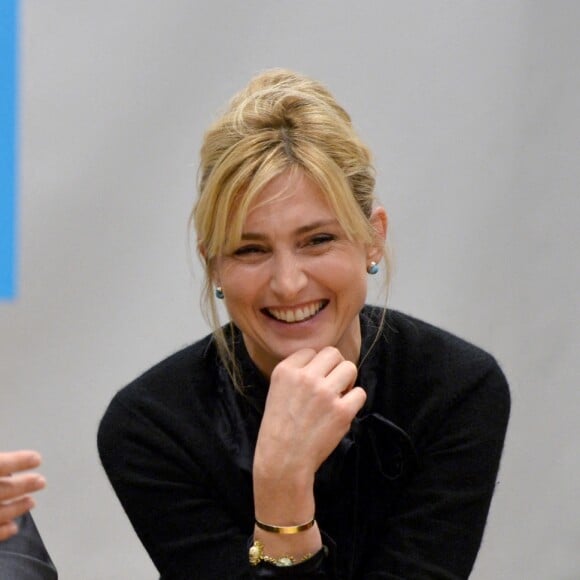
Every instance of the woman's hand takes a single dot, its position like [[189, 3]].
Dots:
[[310, 406], [15, 488]]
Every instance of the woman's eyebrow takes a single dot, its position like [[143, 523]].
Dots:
[[316, 225], [301, 230]]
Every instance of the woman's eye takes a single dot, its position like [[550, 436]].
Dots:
[[321, 239], [249, 250]]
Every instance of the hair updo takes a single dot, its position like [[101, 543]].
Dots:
[[280, 121]]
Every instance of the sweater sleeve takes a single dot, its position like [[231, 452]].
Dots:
[[436, 526], [24, 557], [183, 526]]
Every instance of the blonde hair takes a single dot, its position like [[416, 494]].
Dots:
[[281, 121]]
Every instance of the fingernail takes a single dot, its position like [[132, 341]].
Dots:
[[37, 484], [35, 458]]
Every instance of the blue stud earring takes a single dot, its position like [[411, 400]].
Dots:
[[219, 293], [373, 268]]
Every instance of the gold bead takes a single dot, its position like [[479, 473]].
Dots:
[[285, 561], [255, 553]]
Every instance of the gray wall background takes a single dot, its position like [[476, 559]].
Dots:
[[472, 110]]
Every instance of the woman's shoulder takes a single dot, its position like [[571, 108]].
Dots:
[[172, 381], [165, 404], [416, 337], [430, 354], [425, 370]]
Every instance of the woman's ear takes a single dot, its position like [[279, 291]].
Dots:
[[379, 220], [202, 251], [209, 266]]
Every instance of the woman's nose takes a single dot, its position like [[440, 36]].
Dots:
[[288, 276]]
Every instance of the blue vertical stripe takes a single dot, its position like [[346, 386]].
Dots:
[[8, 145]]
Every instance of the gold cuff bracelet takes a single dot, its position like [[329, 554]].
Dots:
[[286, 529]]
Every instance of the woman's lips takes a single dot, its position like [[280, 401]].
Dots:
[[296, 314]]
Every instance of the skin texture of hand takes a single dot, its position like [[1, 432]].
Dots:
[[310, 406], [16, 487]]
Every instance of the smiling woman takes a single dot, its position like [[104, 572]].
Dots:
[[311, 436]]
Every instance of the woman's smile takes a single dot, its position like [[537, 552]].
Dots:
[[292, 315]]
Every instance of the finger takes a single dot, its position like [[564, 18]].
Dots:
[[12, 461], [299, 358], [21, 484], [326, 360], [8, 530], [354, 400], [13, 510], [342, 377]]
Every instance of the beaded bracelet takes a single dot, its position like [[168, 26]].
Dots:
[[256, 555]]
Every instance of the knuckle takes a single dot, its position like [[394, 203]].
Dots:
[[7, 490], [332, 350], [350, 368], [282, 371], [278, 371], [308, 377], [343, 414]]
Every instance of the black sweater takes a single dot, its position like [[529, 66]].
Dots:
[[405, 494]]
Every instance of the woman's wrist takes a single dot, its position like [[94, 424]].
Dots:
[[272, 467], [283, 511], [284, 501], [285, 523]]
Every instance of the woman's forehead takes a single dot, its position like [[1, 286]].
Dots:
[[293, 191]]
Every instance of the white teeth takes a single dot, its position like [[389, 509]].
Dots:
[[297, 315]]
